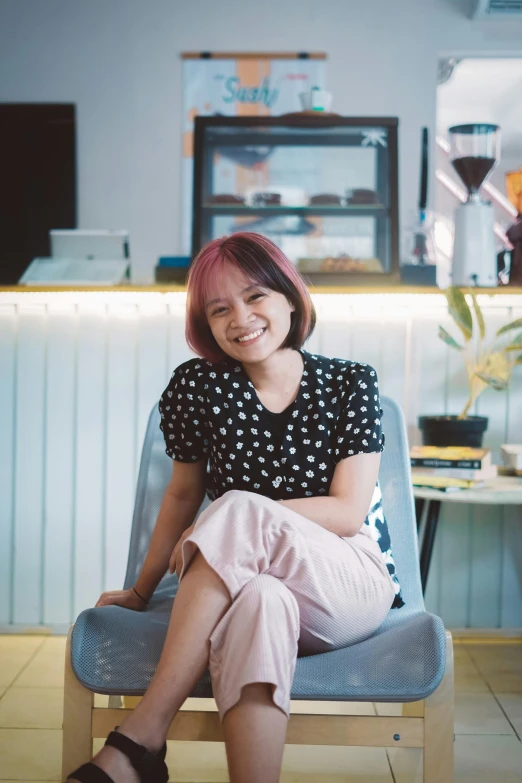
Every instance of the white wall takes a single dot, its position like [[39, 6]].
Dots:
[[118, 60]]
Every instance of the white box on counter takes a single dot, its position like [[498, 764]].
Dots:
[[512, 455]]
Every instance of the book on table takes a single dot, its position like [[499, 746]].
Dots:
[[467, 474], [444, 482], [453, 457]]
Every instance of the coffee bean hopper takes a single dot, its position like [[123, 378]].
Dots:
[[474, 152]]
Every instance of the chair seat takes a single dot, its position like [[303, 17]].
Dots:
[[115, 651]]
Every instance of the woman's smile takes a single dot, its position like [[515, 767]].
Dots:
[[250, 338]]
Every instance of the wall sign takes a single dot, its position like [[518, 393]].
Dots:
[[238, 84]]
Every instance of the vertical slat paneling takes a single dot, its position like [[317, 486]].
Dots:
[[485, 563], [122, 442], [59, 461], [456, 529], [315, 342], [511, 585], [455, 532], [178, 350], [457, 391], [428, 369], [491, 403], [488, 523], [487, 533], [90, 458], [367, 340], [30, 464], [511, 601], [70, 444], [152, 367], [395, 349], [337, 335], [427, 394], [8, 358], [514, 395]]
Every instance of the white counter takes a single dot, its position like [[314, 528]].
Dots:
[[80, 372]]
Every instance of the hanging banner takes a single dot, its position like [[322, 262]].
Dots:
[[237, 85]]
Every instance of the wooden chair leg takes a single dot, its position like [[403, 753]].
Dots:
[[78, 704], [439, 726]]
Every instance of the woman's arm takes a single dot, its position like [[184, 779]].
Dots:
[[180, 505], [344, 510]]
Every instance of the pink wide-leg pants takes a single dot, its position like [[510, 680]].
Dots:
[[296, 589]]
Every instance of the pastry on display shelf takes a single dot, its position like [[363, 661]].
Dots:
[[343, 263], [326, 199], [361, 196], [267, 199], [225, 198], [276, 195]]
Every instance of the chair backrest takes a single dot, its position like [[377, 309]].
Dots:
[[399, 510], [154, 475], [394, 477]]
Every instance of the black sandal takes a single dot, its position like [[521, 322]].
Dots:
[[150, 767]]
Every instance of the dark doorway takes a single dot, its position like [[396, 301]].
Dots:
[[38, 181]]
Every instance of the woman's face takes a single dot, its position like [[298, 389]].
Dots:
[[249, 322]]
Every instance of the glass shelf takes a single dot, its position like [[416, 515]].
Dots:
[[318, 209]]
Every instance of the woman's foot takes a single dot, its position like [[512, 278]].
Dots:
[[116, 763]]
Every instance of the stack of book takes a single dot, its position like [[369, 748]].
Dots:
[[451, 468]]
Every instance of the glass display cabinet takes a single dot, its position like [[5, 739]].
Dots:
[[323, 188]]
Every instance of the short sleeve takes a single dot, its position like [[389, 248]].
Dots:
[[358, 429], [183, 416]]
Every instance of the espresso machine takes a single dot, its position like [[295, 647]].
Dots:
[[474, 152]]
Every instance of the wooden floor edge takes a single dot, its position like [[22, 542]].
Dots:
[[486, 635]]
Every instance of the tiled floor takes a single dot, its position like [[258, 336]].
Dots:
[[488, 724]]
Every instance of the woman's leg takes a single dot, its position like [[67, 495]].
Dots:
[[342, 586], [343, 592], [255, 732], [201, 601], [252, 662]]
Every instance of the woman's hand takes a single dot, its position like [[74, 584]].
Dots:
[[175, 562], [125, 598]]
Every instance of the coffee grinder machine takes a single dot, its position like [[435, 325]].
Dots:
[[474, 152]]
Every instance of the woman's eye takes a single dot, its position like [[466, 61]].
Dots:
[[256, 296], [219, 311]]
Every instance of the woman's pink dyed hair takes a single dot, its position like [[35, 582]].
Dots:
[[261, 262]]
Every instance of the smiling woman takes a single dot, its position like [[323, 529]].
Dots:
[[231, 274], [293, 556]]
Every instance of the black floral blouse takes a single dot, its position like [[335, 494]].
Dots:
[[212, 412]]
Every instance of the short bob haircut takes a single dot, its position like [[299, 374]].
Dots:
[[261, 262]]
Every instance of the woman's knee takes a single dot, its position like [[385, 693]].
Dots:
[[234, 508], [273, 596], [241, 506]]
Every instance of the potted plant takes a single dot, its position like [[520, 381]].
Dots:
[[486, 365]]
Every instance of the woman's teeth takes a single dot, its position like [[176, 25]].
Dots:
[[250, 336]]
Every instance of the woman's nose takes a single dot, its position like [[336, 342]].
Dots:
[[241, 316]]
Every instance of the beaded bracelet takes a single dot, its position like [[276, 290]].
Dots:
[[141, 597]]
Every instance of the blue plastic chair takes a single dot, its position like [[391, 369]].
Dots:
[[409, 659]]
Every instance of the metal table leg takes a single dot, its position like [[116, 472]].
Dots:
[[432, 520], [419, 508]]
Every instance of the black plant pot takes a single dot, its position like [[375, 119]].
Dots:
[[451, 431]]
